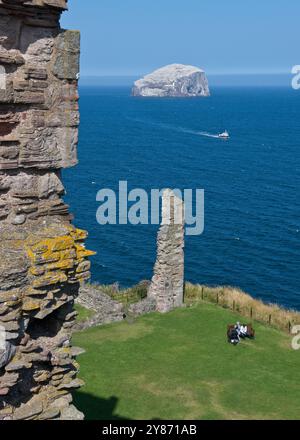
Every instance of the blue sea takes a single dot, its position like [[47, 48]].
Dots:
[[251, 183]]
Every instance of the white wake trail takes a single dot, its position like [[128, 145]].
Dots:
[[196, 133], [177, 129]]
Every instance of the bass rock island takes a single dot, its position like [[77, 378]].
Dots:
[[175, 80]]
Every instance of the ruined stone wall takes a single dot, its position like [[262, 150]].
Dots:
[[167, 285], [42, 256]]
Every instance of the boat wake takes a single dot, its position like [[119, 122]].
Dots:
[[197, 133], [204, 133], [178, 129]]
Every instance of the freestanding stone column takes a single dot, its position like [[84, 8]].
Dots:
[[167, 285], [42, 256]]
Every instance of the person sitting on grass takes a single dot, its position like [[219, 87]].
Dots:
[[234, 336], [243, 331]]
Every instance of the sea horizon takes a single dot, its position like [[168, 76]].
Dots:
[[215, 80]]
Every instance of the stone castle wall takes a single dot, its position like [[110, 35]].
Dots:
[[167, 285], [42, 255]]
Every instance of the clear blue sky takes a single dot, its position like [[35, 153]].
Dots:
[[132, 37]]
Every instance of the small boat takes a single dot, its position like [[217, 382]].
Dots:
[[224, 135]]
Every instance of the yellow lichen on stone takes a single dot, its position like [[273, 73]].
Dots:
[[82, 252], [63, 264], [83, 266], [68, 254], [30, 305], [50, 278], [37, 270], [58, 259], [49, 249], [38, 256], [61, 243], [78, 234]]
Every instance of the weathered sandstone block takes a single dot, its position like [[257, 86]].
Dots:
[[42, 256]]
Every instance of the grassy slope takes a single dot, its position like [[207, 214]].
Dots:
[[180, 365], [83, 313]]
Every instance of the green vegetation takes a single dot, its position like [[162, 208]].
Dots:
[[179, 365], [83, 313], [128, 296], [239, 301]]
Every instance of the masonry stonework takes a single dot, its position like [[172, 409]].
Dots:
[[167, 285], [42, 255]]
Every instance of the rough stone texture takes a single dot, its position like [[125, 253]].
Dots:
[[167, 285], [59, 4], [175, 80], [42, 256], [106, 310], [147, 305]]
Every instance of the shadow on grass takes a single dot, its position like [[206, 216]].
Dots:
[[95, 408]]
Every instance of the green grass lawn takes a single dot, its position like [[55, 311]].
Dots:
[[180, 366]]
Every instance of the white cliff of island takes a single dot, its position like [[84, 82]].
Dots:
[[177, 80]]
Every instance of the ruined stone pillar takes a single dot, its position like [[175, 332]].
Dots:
[[167, 285], [42, 256]]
